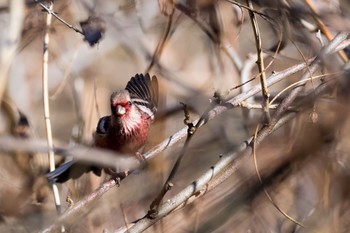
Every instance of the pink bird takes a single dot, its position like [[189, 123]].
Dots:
[[125, 130]]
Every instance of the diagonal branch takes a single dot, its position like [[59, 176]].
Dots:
[[218, 173], [325, 30], [167, 207], [192, 129], [202, 184], [51, 12]]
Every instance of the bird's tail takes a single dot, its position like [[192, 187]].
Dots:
[[69, 170]]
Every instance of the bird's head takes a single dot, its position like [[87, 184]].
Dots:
[[121, 103]]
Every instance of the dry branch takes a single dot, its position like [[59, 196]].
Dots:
[[169, 206], [46, 106], [230, 166], [260, 63]]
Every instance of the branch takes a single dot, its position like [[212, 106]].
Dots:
[[234, 102], [311, 69], [328, 34], [46, 106], [203, 182], [260, 63], [153, 212], [161, 45], [224, 168], [51, 12], [202, 185]]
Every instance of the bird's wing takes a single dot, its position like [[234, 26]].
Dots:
[[103, 124], [54, 175], [71, 170], [144, 91]]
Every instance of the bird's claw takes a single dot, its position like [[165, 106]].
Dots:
[[118, 176]]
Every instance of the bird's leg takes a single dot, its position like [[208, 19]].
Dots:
[[117, 176]]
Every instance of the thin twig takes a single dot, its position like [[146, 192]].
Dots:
[[200, 186], [227, 49], [328, 34], [168, 183], [265, 190], [162, 43], [216, 174], [248, 105], [65, 78], [248, 8], [51, 12], [301, 82], [235, 101], [176, 201], [184, 195], [260, 63], [311, 69]]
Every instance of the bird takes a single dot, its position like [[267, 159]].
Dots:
[[124, 131]]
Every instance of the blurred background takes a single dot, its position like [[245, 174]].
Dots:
[[195, 48]]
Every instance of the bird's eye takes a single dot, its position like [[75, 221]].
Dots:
[[129, 103]]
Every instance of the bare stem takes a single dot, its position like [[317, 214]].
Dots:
[[196, 188], [47, 106], [260, 63], [182, 197], [153, 212], [162, 43], [51, 12], [324, 29]]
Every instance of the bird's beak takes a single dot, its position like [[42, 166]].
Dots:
[[120, 110]]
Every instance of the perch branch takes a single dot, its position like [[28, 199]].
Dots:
[[234, 102]]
